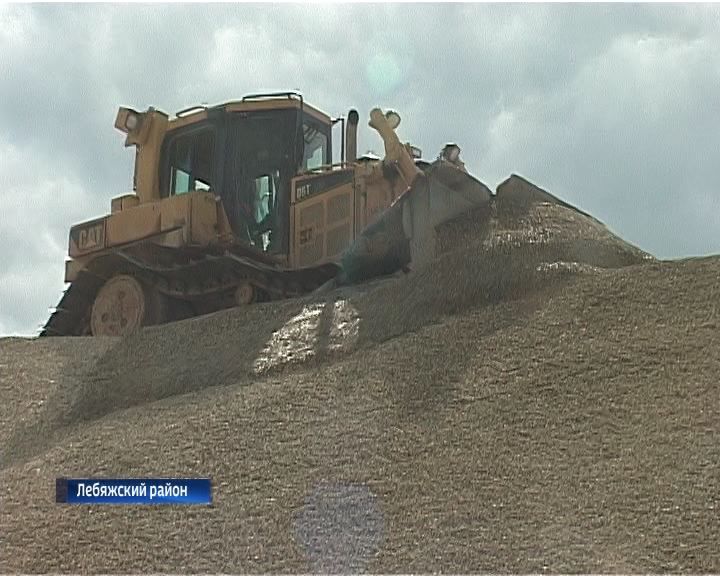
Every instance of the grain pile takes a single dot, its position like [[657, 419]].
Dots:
[[542, 398]]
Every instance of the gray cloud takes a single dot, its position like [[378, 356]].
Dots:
[[610, 106]]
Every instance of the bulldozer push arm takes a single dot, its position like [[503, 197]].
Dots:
[[395, 153]]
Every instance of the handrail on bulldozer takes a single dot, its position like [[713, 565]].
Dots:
[[270, 95], [326, 168]]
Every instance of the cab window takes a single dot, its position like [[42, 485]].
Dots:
[[316, 147], [191, 162], [263, 188], [264, 209]]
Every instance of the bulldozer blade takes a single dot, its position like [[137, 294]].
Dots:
[[380, 249], [404, 235]]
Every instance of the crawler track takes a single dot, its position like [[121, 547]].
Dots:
[[204, 280]]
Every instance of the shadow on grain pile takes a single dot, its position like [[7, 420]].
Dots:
[[506, 251]]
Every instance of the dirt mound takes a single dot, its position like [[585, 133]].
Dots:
[[532, 402]]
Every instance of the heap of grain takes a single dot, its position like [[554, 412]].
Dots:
[[526, 242], [487, 412], [523, 242], [574, 433]]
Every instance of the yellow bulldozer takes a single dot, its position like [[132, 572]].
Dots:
[[243, 202]]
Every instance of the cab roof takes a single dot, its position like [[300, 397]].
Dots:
[[250, 103]]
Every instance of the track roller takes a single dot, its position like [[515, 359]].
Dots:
[[123, 305], [245, 294]]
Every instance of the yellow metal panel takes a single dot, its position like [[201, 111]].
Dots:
[[191, 216], [174, 239], [204, 219], [124, 202], [175, 211], [373, 193], [133, 224], [322, 225], [337, 240], [195, 213], [374, 196], [379, 197], [338, 206], [308, 238], [147, 159], [338, 221]]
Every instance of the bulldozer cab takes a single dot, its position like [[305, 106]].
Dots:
[[247, 155]]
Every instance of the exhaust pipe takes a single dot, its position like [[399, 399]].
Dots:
[[351, 135]]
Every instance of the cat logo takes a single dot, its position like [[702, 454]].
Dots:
[[91, 237]]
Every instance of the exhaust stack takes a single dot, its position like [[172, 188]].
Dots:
[[351, 135]]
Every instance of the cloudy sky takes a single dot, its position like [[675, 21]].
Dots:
[[615, 108]]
